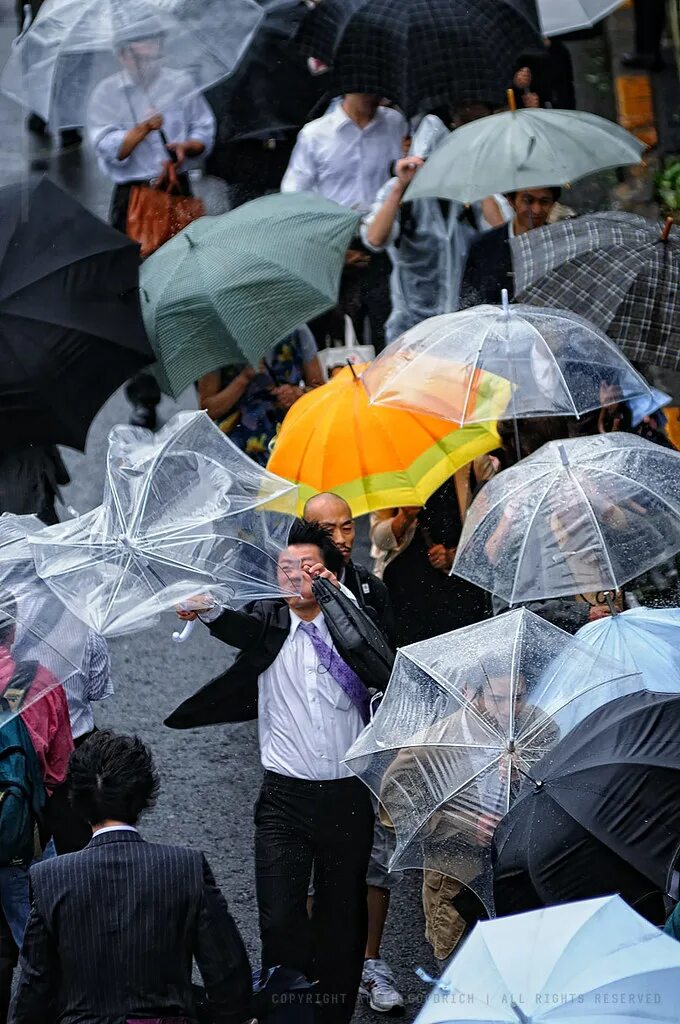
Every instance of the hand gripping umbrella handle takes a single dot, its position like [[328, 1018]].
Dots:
[[181, 637]]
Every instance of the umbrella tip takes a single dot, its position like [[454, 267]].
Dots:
[[512, 103], [666, 229], [563, 455], [505, 302]]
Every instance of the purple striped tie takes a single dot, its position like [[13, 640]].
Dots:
[[345, 677]]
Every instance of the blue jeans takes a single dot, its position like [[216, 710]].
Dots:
[[14, 894]]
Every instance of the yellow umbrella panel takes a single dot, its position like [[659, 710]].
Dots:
[[376, 457]]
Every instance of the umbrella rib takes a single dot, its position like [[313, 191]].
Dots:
[[453, 691], [595, 523], [650, 490], [527, 532], [557, 366]]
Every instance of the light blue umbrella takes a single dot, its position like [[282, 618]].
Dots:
[[596, 960], [645, 640]]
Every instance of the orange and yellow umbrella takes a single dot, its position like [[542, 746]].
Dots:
[[375, 456]]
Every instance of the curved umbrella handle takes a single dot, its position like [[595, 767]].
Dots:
[[181, 637]]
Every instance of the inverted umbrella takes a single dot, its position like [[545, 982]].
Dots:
[[464, 720], [272, 90], [71, 329], [647, 640], [578, 516], [579, 962], [333, 440], [560, 16], [556, 364], [607, 788], [66, 62], [421, 55], [184, 512], [618, 269], [528, 148], [227, 288]]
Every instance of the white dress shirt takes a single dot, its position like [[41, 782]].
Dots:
[[306, 721], [93, 682], [337, 159], [115, 828], [118, 103]]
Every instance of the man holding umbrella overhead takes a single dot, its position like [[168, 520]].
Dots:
[[134, 143]]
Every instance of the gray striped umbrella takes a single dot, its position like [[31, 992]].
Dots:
[[619, 270], [226, 289]]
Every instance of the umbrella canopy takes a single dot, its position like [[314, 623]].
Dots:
[[647, 640], [333, 440], [272, 89], [184, 512], [563, 963], [465, 718], [228, 288], [41, 643], [580, 516], [618, 269], [421, 55], [68, 59], [555, 363], [560, 16], [608, 788], [71, 329], [523, 149]]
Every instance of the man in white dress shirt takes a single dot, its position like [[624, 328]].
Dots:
[[346, 156], [312, 814]]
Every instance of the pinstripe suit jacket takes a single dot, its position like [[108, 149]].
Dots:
[[112, 932]]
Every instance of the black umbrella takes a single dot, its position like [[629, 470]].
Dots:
[[272, 90], [71, 328], [422, 53], [601, 813]]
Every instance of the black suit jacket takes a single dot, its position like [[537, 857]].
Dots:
[[372, 595], [112, 932], [488, 269]]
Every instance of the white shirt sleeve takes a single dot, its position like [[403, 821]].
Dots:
[[371, 215], [301, 175], [202, 125]]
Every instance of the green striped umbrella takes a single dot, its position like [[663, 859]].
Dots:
[[228, 288]]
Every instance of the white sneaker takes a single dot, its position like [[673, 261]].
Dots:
[[378, 988]]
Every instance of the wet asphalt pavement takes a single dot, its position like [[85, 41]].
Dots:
[[210, 777]]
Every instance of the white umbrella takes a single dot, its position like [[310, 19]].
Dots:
[[71, 48], [523, 149], [558, 16], [595, 960], [579, 516]]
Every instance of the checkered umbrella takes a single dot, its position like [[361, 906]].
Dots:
[[618, 269], [421, 53]]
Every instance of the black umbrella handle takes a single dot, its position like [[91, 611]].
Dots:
[[164, 139]]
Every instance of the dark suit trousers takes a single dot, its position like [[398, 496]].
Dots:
[[327, 826], [650, 16]]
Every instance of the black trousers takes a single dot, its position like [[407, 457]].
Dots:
[[327, 826], [650, 16], [364, 295]]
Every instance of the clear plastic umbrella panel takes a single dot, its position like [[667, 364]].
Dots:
[[41, 643], [185, 512], [465, 718], [577, 517], [491, 361], [124, 59]]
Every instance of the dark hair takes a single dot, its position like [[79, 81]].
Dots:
[[555, 189], [304, 532], [8, 612], [112, 778]]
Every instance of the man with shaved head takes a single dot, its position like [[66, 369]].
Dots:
[[333, 514]]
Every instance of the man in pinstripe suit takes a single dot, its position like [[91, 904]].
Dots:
[[113, 928]]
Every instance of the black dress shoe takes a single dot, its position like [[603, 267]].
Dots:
[[35, 124], [643, 61], [143, 416], [70, 138]]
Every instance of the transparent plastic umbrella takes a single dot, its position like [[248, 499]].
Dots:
[[67, 59], [579, 516], [185, 512], [559, 16], [587, 961], [464, 719], [41, 643], [646, 640], [555, 362], [523, 149]]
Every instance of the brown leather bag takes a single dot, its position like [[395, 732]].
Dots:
[[157, 213]]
